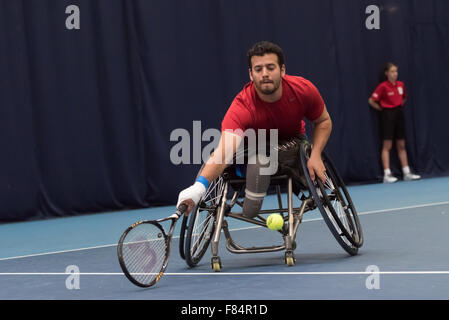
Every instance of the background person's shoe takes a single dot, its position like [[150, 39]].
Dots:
[[411, 176], [389, 178]]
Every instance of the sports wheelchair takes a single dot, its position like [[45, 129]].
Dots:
[[207, 220]]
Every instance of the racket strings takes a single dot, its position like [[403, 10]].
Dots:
[[144, 252]]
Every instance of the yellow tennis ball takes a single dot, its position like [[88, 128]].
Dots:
[[275, 221]]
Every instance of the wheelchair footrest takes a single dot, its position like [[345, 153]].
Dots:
[[235, 248]]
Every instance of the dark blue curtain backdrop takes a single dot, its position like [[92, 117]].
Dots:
[[86, 115]]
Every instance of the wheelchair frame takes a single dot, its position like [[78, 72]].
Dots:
[[293, 218]]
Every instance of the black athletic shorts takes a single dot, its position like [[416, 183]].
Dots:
[[288, 162], [392, 123]]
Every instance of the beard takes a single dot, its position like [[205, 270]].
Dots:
[[268, 88]]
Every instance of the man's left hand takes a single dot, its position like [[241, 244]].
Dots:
[[316, 167]]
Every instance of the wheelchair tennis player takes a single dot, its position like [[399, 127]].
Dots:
[[271, 100]]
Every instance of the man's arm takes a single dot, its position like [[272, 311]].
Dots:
[[322, 128], [222, 156], [214, 167]]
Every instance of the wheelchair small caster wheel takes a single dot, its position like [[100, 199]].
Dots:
[[289, 259], [216, 264]]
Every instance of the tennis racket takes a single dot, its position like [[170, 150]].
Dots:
[[144, 247]]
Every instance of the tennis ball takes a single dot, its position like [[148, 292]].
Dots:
[[275, 221]]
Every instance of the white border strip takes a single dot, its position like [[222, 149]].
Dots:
[[232, 273], [246, 228]]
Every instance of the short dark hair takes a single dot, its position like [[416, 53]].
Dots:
[[264, 47]]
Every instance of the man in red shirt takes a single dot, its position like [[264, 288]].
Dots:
[[389, 98], [272, 100]]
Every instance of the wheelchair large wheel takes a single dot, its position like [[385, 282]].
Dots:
[[335, 204], [182, 236], [201, 223]]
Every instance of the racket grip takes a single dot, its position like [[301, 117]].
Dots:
[[182, 208]]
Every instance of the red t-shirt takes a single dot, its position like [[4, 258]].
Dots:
[[389, 95], [300, 98]]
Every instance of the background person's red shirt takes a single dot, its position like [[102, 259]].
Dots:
[[389, 95], [300, 98]]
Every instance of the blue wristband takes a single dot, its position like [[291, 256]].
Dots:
[[204, 181]]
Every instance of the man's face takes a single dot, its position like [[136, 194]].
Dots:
[[266, 73]]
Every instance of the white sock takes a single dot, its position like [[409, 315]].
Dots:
[[387, 172], [406, 170]]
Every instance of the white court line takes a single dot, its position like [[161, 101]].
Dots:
[[56, 252], [231, 273], [238, 229]]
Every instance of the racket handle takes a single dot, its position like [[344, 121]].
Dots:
[[181, 209]]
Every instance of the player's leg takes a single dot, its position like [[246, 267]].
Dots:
[[257, 185]]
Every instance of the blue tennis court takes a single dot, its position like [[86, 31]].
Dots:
[[404, 255]]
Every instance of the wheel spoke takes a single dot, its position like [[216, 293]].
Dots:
[[216, 187], [336, 206], [198, 237]]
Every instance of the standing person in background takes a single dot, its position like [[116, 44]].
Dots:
[[389, 98]]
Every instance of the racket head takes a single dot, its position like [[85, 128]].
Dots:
[[143, 251]]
